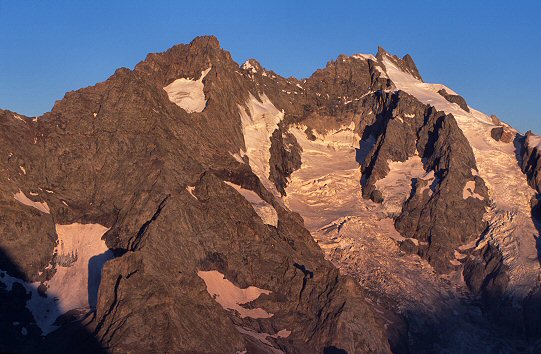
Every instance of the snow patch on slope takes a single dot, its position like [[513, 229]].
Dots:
[[190, 190], [396, 185], [266, 212], [23, 199], [262, 337], [231, 297], [248, 66], [364, 56], [188, 94], [81, 254], [468, 191], [259, 119], [424, 92], [75, 281], [237, 156], [329, 176]]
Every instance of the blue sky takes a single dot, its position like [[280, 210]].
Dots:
[[490, 52]]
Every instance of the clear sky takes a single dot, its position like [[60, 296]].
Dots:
[[488, 51]]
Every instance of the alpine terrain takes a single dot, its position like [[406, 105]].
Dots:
[[195, 205]]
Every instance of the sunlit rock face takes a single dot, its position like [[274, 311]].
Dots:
[[197, 205]]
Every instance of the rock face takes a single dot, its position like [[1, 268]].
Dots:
[[176, 207], [531, 159], [459, 100], [404, 128], [124, 155], [285, 157], [503, 134]]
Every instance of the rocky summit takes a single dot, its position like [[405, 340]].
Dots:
[[195, 205]]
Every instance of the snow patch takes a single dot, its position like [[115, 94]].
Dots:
[[22, 169], [190, 190], [424, 92], [23, 199], [364, 57], [259, 120], [262, 337], [231, 297], [74, 281], [188, 94], [329, 176], [81, 254], [468, 191], [396, 185], [382, 72], [266, 212], [238, 156], [248, 66]]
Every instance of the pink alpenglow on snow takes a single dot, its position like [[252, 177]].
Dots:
[[23, 199], [266, 212], [81, 254], [231, 297], [188, 94]]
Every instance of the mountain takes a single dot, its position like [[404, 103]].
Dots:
[[193, 204]]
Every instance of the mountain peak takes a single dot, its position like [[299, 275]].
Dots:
[[407, 60], [252, 65], [405, 64], [246, 188], [381, 52], [205, 41]]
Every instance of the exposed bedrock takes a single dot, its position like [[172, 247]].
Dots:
[[445, 209], [164, 176], [487, 276], [503, 134], [305, 297], [285, 157], [180, 169], [530, 158], [459, 100]]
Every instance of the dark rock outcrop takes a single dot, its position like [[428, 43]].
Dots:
[[285, 157], [503, 134], [485, 273], [530, 159], [427, 215], [459, 100]]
